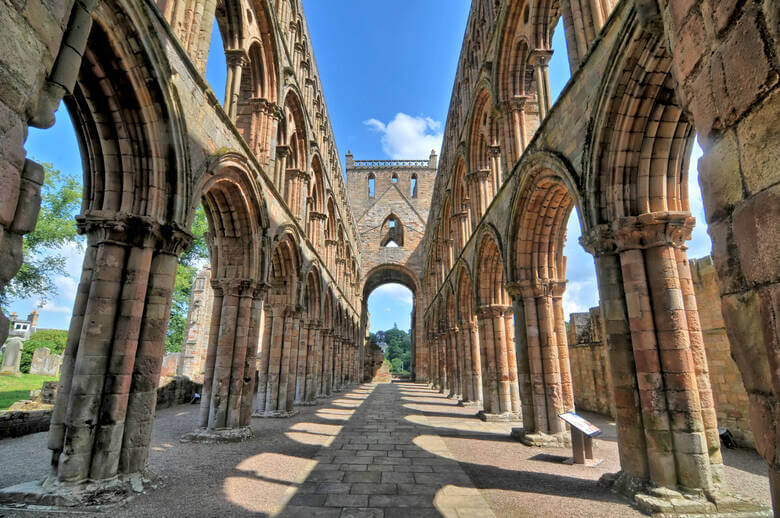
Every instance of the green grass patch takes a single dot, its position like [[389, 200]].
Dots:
[[13, 389]]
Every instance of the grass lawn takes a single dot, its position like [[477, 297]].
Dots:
[[12, 389]]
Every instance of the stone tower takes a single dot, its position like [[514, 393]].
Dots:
[[390, 200]]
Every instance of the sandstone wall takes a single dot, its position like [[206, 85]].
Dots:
[[731, 400], [590, 372]]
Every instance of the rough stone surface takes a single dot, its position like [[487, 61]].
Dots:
[[12, 355]]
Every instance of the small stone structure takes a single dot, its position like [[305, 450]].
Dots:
[[590, 370], [170, 366], [12, 356], [45, 363], [377, 370], [193, 350]]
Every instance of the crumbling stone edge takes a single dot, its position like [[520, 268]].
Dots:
[[662, 502], [97, 495]]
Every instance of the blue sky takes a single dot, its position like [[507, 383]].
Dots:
[[387, 87]]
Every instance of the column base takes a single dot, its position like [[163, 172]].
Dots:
[[218, 435], [506, 417], [470, 404], [94, 495], [540, 439], [305, 403], [675, 502], [276, 413]]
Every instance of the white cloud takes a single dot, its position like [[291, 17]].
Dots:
[[408, 137], [699, 244], [395, 292], [51, 307], [67, 287]]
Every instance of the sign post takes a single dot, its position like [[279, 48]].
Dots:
[[582, 433]]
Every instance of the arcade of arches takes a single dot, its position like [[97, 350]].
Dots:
[[295, 250]]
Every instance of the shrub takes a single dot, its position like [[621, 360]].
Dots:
[[54, 339]]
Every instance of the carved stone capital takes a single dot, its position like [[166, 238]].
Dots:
[[653, 229], [236, 58]]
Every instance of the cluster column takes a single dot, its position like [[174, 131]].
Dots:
[[229, 377], [236, 59], [679, 444], [501, 398], [545, 373], [101, 422], [275, 391]]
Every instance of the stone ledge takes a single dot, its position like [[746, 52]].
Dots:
[[541, 440], [276, 414], [51, 494], [219, 435], [661, 502], [506, 417]]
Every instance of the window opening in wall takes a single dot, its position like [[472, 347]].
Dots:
[[395, 178], [391, 244], [216, 64], [392, 223], [371, 186], [414, 186]]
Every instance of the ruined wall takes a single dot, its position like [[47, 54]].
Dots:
[[590, 372], [390, 198], [589, 369], [196, 341], [731, 400]]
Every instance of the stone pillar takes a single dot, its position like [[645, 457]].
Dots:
[[494, 152], [632, 447], [539, 59], [452, 357], [236, 60], [677, 445], [279, 348], [500, 399], [280, 165], [102, 417], [559, 323], [230, 370], [523, 360], [516, 108], [302, 363], [314, 365]]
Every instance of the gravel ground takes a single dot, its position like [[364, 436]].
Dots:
[[260, 476]]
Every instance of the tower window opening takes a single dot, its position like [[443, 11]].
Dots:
[[414, 186], [391, 223], [371, 185], [395, 178]]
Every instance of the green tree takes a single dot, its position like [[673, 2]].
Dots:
[[399, 348], [185, 275], [43, 259], [54, 339]]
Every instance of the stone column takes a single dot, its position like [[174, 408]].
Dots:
[[114, 349], [272, 318], [516, 108], [290, 361], [490, 400], [632, 447], [314, 365], [280, 165], [236, 59], [500, 398], [559, 323], [539, 59], [494, 151], [302, 363], [443, 345], [452, 357], [523, 360]]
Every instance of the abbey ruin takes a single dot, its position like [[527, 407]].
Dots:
[[298, 240]]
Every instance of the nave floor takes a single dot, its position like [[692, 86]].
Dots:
[[383, 450]]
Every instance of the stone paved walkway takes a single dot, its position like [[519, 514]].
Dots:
[[383, 450], [382, 464]]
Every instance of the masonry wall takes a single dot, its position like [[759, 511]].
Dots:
[[590, 372], [731, 399], [390, 198]]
